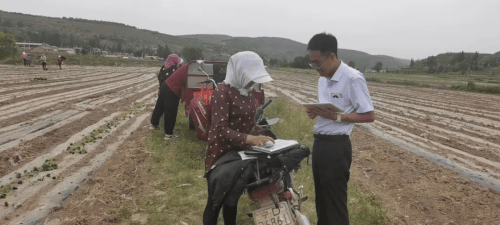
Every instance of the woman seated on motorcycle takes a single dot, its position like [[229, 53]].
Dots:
[[233, 128]]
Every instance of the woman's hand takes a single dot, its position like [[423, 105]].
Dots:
[[258, 140]]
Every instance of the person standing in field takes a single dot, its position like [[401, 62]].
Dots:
[[332, 153], [28, 60], [43, 59], [60, 61], [170, 66], [169, 96], [23, 57]]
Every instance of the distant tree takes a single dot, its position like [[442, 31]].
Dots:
[[263, 59], [148, 51], [163, 52], [432, 64], [463, 66], [19, 38], [440, 69], [8, 47], [191, 53], [283, 62], [54, 39], [72, 40], [352, 64], [461, 57], [454, 60], [138, 53], [129, 50], [431, 61], [273, 62], [159, 50], [300, 62], [378, 66], [412, 63], [95, 42], [474, 61], [118, 47]]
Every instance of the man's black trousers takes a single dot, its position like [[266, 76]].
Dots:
[[166, 104], [331, 161]]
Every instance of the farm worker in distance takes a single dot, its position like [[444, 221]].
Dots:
[[43, 59], [23, 57], [169, 96], [331, 161], [233, 107], [170, 66], [60, 61], [28, 60]]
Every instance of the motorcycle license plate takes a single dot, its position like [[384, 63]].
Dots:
[[273, 216]]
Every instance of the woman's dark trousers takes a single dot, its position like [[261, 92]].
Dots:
[[166, 104]]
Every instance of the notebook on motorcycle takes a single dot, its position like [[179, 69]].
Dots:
[[279, 146]]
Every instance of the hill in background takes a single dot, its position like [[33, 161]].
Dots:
[[117, 37]]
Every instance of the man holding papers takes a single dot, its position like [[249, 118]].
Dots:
[[346, 88]]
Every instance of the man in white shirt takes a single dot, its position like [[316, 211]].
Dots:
[[332, 153]]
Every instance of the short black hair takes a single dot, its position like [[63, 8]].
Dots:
[[323, 42]]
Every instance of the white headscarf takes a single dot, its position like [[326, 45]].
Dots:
[[244, 67]]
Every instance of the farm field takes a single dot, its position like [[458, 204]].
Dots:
[[57, 126], [459, 131], [442, 81], [432, 155]]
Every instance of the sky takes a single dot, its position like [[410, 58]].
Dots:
[[398, 28]]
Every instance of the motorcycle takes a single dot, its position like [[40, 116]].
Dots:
[[275, 200]]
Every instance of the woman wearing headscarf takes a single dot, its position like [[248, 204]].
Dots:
[[60, 60], [169, 95], [23, 57], [171, 64], [233, 128]]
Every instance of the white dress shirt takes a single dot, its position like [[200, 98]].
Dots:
[[346, 89]]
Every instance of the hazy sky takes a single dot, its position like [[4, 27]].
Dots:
[[399, 28]]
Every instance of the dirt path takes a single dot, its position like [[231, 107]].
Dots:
[[432, 155]]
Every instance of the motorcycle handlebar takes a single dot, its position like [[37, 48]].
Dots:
[[260, 111]]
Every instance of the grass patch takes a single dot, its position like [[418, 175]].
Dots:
[[124, 213], [179, 191], [480, 83], [471, 86], [5, 190], [297, 70], [49, 165]]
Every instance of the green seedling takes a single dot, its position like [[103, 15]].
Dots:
[[4, 190], [49, 165], [77, 149]]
